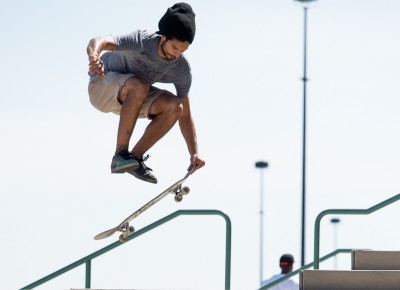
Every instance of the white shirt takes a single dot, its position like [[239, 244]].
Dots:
[[285, 285]]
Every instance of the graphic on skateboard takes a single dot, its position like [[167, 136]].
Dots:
[[124, 226]]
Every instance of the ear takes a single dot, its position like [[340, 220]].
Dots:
[[163, 38]]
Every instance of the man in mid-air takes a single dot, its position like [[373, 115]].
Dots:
[[122, 78]]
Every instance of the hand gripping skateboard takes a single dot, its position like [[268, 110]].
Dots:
[[124, 226]]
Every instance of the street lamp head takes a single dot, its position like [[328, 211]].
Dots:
[[305, 3], [261, 164], [335, 220]]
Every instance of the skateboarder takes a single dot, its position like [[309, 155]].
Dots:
[[122, 78]]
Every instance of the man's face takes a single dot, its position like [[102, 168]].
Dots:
[[172, 48]]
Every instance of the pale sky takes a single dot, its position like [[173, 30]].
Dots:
[[57, 191]]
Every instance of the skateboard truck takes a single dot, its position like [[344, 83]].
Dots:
[[180, 192], [126, 231]]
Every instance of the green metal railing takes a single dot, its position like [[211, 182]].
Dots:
[[347, 212], [293, 273], [317, 259], [88, 259]]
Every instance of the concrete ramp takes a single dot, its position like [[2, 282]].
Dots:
[[349, 280], [375, 260]]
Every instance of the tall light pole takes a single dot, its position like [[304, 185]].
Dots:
[[303, 195], [261, 165], [335, 222]]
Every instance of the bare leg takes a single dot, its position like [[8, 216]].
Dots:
[[132, 96], [166, 110]]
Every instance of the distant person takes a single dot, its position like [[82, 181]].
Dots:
[[123, 69], [286, 264]]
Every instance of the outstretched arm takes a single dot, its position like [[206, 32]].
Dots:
[[189, 133], [95, 47]]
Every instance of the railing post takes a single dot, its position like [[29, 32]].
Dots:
[[228, 250], [317, 240], [347, 212], [88, 273]]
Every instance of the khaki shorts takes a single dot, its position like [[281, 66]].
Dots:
[[103, 93]]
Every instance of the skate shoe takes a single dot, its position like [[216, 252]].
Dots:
[[143, 172], [122, 161]]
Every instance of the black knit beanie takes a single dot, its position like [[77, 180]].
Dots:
[[178, 22]]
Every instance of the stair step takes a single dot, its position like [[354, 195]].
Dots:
[[375, 260], [349, 280]]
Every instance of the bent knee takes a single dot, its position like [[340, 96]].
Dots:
[[134, 87], [174, 105], [167, 103]]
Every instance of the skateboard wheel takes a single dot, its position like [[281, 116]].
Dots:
[[185, 190], [178, 198], [122, 238], [131, 230]]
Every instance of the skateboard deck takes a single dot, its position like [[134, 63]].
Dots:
[[124, 226]]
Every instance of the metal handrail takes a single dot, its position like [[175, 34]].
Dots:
[[293, 273], [347, 212], [88, 259]]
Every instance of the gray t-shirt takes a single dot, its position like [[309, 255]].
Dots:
[[136, 53]]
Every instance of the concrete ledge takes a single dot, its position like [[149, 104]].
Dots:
[[375, 260], [349, 280]]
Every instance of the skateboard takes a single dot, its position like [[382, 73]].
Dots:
[[124, 226]]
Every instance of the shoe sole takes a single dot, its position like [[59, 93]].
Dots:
[[141, 178], [125, 168]]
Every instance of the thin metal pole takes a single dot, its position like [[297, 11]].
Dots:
[[261, 165], [303, 207], [335, 246], [261, 225], [335, 222]]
